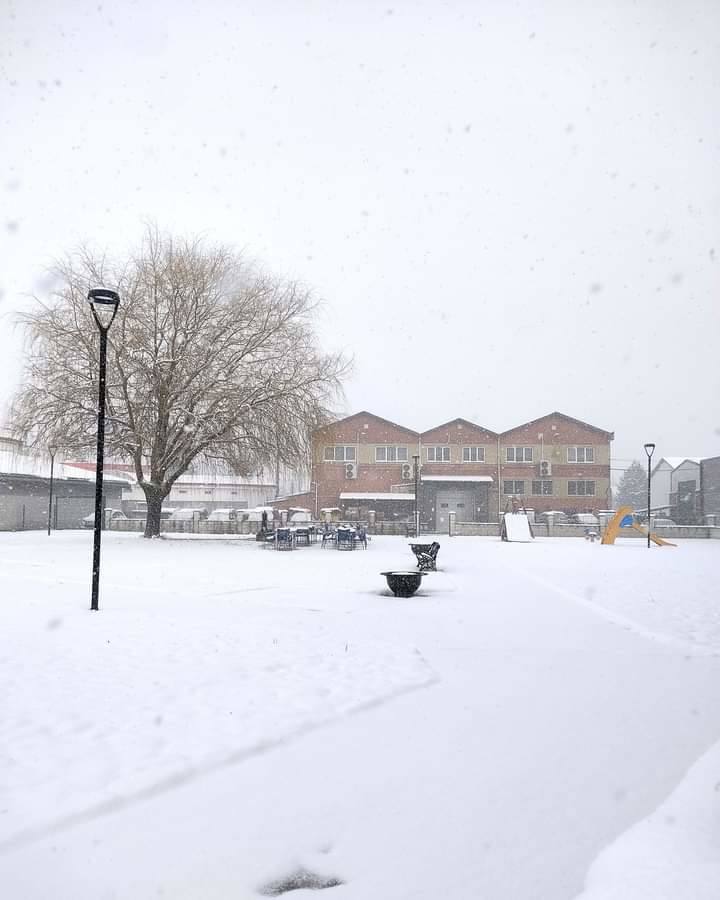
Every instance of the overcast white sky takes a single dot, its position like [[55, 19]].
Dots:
[[508, 208]]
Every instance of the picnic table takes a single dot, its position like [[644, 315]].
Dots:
[[345, 537], [284, 539]]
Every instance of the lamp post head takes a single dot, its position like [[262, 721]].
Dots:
[[104, 305], [649, 449]]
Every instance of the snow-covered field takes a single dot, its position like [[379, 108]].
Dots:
[[233, 717]]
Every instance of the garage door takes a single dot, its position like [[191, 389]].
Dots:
[[459, 502]]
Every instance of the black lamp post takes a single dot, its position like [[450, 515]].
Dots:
[[416, 472], [649, 449], [51, 451], [104, 305]]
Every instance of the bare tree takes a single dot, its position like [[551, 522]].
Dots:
[[207, 359]]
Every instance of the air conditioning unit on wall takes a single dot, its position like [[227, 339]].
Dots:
[[407, 472], [350, 470], [545, 468]]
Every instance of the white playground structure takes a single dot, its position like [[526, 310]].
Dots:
[[516, 527]]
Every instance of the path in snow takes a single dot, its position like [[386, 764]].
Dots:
[[550, 731]]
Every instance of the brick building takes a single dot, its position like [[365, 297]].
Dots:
[[364, 462]]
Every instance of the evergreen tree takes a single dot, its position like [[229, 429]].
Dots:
[[632, 490]]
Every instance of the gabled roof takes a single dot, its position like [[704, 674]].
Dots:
[[367, 415], [676, 461], [459, 421], [609, 434]]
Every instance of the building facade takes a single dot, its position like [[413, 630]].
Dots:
[[685, 505], [661, 483], [365, 464], [710, 490], [26, 476], [200, 487]]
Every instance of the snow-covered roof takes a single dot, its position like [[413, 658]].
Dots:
[[675, 461], [476, 478], [198, 478], [374, 495], [25, 462]]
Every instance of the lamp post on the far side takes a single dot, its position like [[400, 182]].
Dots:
[[649, 449]]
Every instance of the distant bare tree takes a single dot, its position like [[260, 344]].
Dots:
[[206, 359]]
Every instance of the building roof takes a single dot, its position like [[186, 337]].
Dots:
[[364, 413], [367, 415], [676, 461], [24, 461], [559, 415], [459, 421], [125, 472]]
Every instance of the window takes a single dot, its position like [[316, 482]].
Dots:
[[339, 454], [518, 454], [391, 454], [473, 454], [513, 487], [580, 454], [438, 454], [581, 488], [542, 488]]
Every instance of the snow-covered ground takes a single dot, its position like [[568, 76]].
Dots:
[[234, 716]]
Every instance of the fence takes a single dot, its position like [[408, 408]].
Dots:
[[540, 529], [31, 513], [200, 526]]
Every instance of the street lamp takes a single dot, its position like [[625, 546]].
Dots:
[[104, 305], [314, 484], [416, 516], [51, 451], [649, 449]]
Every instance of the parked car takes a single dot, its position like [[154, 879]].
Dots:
[[225, 515], [255, 515], [112, 515], [299, 516], [584, 519], [140, 512], [663, 523], [188, 514], [553, 515]]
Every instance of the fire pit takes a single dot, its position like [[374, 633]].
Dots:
[[403, 584]]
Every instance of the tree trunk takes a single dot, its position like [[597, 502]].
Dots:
[[154, 495]]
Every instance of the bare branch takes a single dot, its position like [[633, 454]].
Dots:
[[207, 358]]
